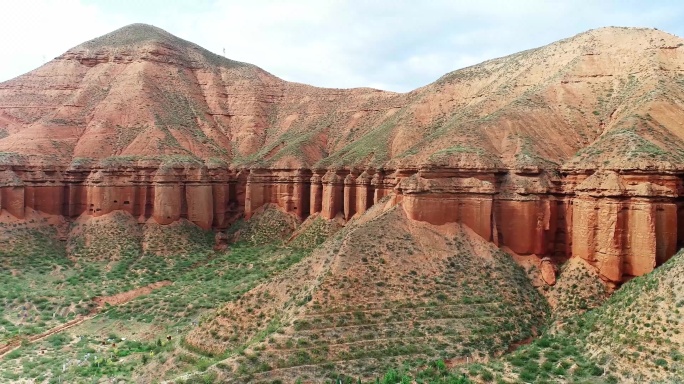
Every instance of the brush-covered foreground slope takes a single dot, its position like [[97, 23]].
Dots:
[[384, 290], [605, 98], [634, 337], [121, 288], [53, 271]]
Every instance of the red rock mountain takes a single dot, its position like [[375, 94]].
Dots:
[[572, 149]]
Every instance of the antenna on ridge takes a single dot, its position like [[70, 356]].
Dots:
[[224, 52]]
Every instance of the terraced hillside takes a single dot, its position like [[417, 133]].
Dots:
[[383, 291]]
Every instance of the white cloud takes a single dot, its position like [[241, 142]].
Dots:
[[392, 44], [34, 32]]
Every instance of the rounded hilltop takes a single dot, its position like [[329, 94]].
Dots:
[[139, 34], [133, 34]]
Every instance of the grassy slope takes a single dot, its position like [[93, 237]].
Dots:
[[370, 306], [578, 288]]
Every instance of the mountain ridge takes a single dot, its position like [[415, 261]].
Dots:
[[477, 114]]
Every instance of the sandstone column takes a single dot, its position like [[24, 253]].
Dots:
[[199, 197], [42, 192], [377, 184], [349, 196], [285, 195], [301, 194], [76, 192], [12, 194], [527, 226], [221, 196], [167, 196], [332, 194], [110, 190], [316, 199], [254, 194], [363, 193], [599, 233], [666, 231]]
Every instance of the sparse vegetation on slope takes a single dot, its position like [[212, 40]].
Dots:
[[269, 225], [635, 336], [57, 290], [364, 302], [106, 238], [578, 289], [313, 232]]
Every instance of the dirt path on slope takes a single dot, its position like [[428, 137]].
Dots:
[[118, 299], [124, 297]]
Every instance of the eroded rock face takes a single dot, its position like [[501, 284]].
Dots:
[[625, 225], [165, 193], [442, 198]]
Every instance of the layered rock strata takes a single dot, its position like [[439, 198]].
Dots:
[[623, 224], [163, 193]]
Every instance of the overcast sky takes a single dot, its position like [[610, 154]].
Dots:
[[388, 44]]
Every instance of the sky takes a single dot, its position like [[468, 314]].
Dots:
[[395, 45]]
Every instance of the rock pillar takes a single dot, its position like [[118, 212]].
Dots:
[[316, 198], [301, 194], [254, 194], [349, 196], [527, 226], [220, 193], [364, 195], [199, 198], [378, 187], [167, 196], [624, 225], [333, 186], [12, 194]]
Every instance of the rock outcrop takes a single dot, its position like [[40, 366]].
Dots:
[[625, 224], [556, 152], [161, 191], [548, 271]]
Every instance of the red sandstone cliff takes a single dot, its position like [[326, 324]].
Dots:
[[572, 149]]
